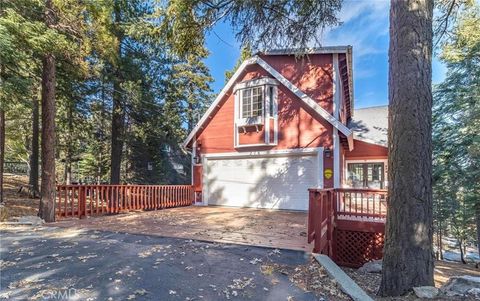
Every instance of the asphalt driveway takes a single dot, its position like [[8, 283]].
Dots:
[[39, 263]]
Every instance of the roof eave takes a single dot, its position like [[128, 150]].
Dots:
[[370, 141], [350, 78], [313, 50]]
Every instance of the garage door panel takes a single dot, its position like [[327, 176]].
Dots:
[[268, 182]]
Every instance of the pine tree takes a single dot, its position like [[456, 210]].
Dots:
[[456, 129]]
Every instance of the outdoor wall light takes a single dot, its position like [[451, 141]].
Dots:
[[328, 152], [197, 159]]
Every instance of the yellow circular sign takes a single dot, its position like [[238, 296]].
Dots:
[[328, 173]]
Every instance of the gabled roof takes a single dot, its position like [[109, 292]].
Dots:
[[370, 125], [345, 65], [307, 100]]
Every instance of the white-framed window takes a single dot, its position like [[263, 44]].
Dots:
[[256, 110], [271, 101], [251, 102], [366, 173]]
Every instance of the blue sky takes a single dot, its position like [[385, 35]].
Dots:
[[365, 27]]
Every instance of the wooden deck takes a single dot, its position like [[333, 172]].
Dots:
[[348, 224], [266, 228]]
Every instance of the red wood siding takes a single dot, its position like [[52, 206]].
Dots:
[[251, 136], [297, 128], [312, 75], [328, 163], [272, 129], [364, 150], [197, 177]]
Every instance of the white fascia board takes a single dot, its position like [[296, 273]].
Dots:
[[255, 82], [305, 98], [217, 100], [350, 78], [267, 153], [350, 142], [366, 140], [315, 50]]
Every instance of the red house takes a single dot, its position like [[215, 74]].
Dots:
[[282, 125]]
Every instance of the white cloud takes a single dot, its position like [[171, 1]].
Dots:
[[364, 23], [352, 9]]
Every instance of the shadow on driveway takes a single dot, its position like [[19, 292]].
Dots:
[[38, 263]]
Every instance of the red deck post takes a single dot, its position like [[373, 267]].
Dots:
[[82, 204]]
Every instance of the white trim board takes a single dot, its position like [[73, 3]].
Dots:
[[337, 88], [370, 141], [254, 83], [381, 160], [267, 153], [300, 94], [314, 50]]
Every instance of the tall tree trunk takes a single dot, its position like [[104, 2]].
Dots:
[[118, 124], [408, 253], [477, 221], [34, 164], [462, 251], [69, 149], [68, 170], [440, 244], [47, 200], [2, 150], [118, 110], [191, 119]]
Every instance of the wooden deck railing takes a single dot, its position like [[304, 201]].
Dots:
[[347, 224], [364, 204], [89, 200]]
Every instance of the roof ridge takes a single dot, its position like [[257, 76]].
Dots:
[[306, 50]]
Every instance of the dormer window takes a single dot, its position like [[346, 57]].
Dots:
[[256, 112], [252, 102]]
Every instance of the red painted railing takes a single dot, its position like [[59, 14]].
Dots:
[[320, 220], [90, 200], [364, 204], [347, 224]]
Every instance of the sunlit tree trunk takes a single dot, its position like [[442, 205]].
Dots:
[[408, 254], [47, 201], [477, 220], [118, 110], [2, 150], [462, 251], [69, 146], [34, 155]]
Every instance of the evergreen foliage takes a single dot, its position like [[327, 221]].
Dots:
[[104, 51], [456, 132]]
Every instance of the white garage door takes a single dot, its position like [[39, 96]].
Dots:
[[266, 182]]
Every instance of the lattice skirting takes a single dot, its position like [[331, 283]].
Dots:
[[354, 248]]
